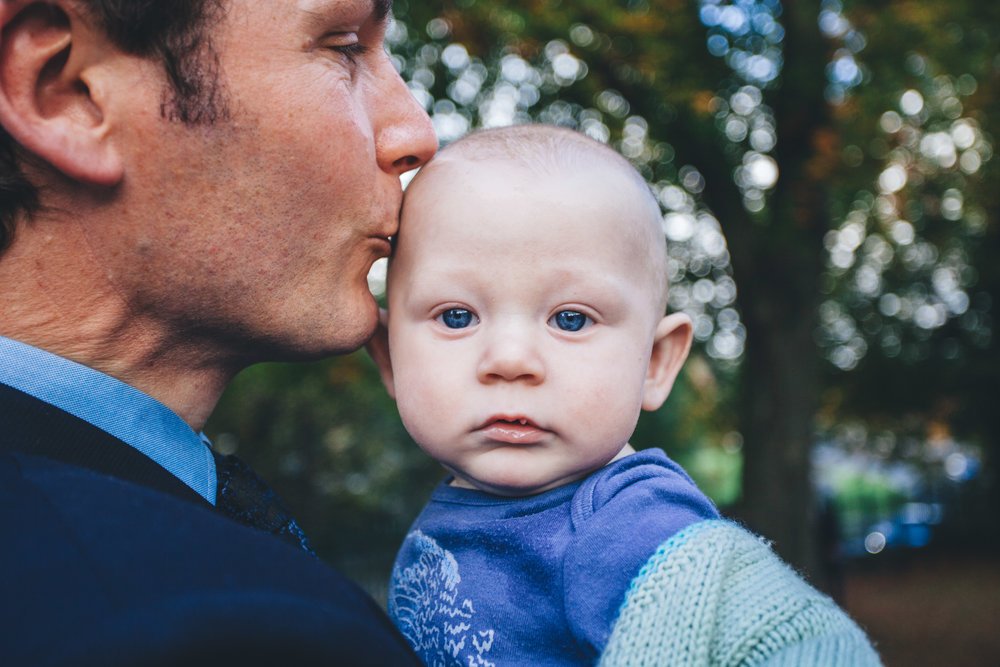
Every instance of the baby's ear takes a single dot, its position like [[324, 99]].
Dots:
[[378, 350], [671, 344]]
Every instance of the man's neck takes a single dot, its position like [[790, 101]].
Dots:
[[54, 299]]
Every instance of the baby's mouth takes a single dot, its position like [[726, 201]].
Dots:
[[512, 430]]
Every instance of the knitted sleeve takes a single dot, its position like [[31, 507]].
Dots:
[[715, 594], [619, 519]]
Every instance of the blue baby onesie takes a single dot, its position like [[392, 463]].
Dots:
[[487, 580]]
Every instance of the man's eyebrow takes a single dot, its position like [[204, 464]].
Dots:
[[321, 10], [382, 9]]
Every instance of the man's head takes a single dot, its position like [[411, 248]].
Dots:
[[526, 308], [218, 188]]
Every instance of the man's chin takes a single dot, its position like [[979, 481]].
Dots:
[[343, 341], [314, 340], [350, 332]]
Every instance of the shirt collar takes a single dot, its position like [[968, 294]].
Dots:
[[121, 410]]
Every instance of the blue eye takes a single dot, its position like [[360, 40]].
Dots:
[[570, 320], [457, 318]]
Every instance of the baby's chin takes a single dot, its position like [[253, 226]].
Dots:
[[508, 488]]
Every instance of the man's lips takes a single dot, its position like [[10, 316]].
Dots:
[[383, 243], [512, 429]]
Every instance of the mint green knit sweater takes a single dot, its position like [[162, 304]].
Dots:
[[715, 594]]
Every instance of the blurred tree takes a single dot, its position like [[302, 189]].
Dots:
[[939, 376], [832, 161], [826, 159]]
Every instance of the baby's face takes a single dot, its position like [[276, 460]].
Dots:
[[521, 321]]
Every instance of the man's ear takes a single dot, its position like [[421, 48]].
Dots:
[[48, 59], [378, 350], [671, 344]]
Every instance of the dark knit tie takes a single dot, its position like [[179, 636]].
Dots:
[[247, 499]]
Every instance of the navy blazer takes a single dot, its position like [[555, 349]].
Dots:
[[108, 559]]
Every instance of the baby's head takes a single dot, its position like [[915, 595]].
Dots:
[[526, 324]]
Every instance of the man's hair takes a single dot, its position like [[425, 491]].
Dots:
[[174, 32]]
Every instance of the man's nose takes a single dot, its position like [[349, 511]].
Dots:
[[404, 136], [511, 355]]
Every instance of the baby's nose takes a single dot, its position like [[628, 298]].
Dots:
[[511, 355]]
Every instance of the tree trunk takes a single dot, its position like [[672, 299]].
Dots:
[[779, 396], [778, 266]]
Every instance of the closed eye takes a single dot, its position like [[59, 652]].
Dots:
[[351, 51]]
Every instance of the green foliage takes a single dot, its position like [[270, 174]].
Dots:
[[327, 437], [860, 497], [692, 428]]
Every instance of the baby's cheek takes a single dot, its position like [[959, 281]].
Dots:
[[423, 408], [590, 404], [609, 408]]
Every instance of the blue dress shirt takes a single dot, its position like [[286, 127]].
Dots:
[[137, 419]]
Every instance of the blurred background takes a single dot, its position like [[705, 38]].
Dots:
[[832, 206]]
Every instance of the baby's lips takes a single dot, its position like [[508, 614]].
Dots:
[[519, 431]]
